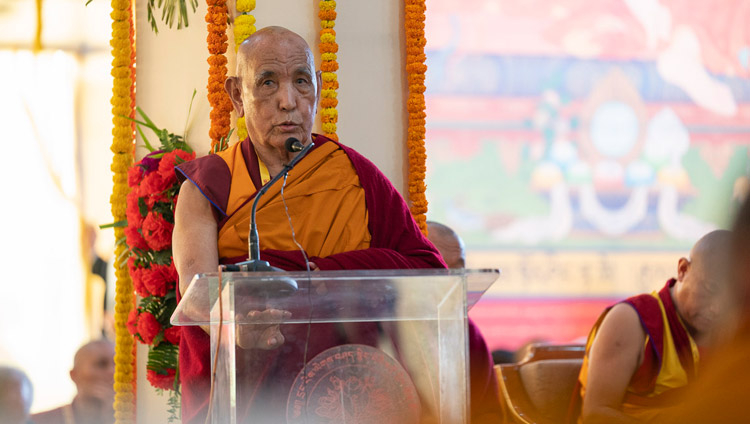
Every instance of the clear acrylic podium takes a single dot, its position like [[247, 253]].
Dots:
[[360, 346]]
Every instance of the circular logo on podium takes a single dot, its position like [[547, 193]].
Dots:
[[353, 384]]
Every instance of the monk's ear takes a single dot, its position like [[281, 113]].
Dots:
[[233, 87], [682, 267], [319, 80]]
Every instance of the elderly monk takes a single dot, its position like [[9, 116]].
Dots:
[[94, 376], [643, 352], [344, 211]]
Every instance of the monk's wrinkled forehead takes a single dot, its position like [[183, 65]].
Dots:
[[273, 45]]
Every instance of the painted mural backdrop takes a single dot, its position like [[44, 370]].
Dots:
[[607, 128]]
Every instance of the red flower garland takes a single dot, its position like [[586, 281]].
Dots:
[[150, 216]]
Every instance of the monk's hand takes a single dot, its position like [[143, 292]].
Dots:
[[313, 266], [254, 333]]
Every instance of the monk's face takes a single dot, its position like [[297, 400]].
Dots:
[[280, 91]]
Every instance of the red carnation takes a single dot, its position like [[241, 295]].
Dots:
[[135, 176], [156, 197], [161, 381], [132, 211], [173, 335], [158, 279], [148, 327], [132, 322], [157, 231], [169, 160], [131, 264], [134, 239], [153, 183], [138, 275]]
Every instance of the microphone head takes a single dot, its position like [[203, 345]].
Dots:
[[293, 145]]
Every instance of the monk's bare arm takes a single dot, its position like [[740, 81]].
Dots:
[[615, 355], [194, 237]]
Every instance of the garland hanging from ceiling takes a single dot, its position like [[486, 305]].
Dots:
[[221, 105], [415, 106], [328, 65], [123, 106]]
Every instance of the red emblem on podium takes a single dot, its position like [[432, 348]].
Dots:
[[353, 384]]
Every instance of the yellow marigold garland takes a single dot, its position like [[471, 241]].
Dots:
[[221, 106], [244, 26], [415, 70], [328, 66], [123, 133], [38, 33]]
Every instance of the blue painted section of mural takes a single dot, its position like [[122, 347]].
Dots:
[[572, 78]]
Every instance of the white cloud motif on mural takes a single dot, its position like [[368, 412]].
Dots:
[[667, 139], [681, 64]]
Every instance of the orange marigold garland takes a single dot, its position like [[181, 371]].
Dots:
[[415, 70], [328, 66], [221, 106], [123, 149], [244, 26]]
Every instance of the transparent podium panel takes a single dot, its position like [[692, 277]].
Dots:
[[336, 346]]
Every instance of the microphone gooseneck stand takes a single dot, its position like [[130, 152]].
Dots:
[[254, 263]]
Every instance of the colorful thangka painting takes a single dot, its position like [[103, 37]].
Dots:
[[615, 124], [582, 147]]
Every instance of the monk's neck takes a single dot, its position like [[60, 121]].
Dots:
[[274, 159]]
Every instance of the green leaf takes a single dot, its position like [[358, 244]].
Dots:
[[145, 139], [190, 109], [142, 207], [118, 224]]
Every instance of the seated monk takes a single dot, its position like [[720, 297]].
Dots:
[[644, 351], [94, 376], [720, 393], [336, 211]]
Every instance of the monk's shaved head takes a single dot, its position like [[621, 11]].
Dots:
[[269, 37], [448, 243], [712, 251], [16, 394], [701, 295]]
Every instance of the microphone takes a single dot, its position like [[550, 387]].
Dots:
[[254, 263], [293, 145]]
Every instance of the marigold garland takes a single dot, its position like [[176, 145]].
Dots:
[[415, 70], [221, 106], [123, 104], [244, 26], [38, 33], [328, 49]]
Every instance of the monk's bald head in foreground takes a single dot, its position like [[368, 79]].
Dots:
[[700, 294], [448, 243], [276, 89]]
